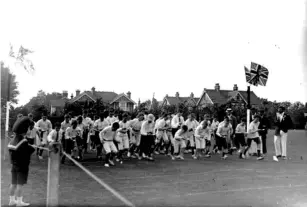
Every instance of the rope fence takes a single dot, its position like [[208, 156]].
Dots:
[[54, 156]]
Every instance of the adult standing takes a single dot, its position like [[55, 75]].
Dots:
[[283, 123], [264, 125], [176, 123]]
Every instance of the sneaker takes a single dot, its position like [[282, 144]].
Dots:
[[21, 203], [121, 162], [173, 158], [207, 156], [275, 158], [278, 156], [111, 162], [194, 157], [177, 157], [186, 151], [224, 157], [181, 157], [284, 157], [150, 158], [12, 203], [260, 158], [106, 165], [218, 152], [243, 156], [156, 152], [117, 160], [128, 154], [40, 157], [133, 156]]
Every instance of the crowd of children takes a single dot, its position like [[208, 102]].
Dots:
[[143, 136]]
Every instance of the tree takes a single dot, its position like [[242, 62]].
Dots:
[[5, 72]]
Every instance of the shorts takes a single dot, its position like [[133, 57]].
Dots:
[[191, 140], [30, 141], [109, 147], [135, 138], [179, 144], [124, 142], [200, 143], [221, 142], [256, 140], [240, 140], [19, 176]]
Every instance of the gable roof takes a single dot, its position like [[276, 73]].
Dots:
[[106, 96], [172, 100], [58, 103], [222, 96], [121, 95]]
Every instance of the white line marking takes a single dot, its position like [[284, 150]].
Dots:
[[232, 190], [114, 192]]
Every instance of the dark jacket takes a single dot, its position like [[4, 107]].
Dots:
[[20, 153], [233, 122], [264, 124], [284, 125]]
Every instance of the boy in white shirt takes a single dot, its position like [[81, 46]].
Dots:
[[71, 135], [147, 138], [135, 126], [160, 133], [192, 125], [44, 126], [107, 136], [32, 135], [253, 135], [201, 132], [177, 122], [56, 134], [99, 125], [180, 142], [122, 139], [223, 133], [240, 137], [169, 136]]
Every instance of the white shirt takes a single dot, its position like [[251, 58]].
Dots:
[[180, 134], [224, 131], [200, 132], [161, 124], [147, 128], [252, 128], [240, 129], [191, 124], [135, 124], [53, 134], [107, 134], [72, 133], [44, 125], [86, 122], [31, 133], [215, 125], [156, 123], [101, 124], [280, 116], [65, 125], [176, 120]]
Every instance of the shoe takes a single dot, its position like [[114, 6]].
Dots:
[[117, 160], [278, 156], [224, 157], [128, 154], [218, 152], [207, 156], [173, 158], [177, 157], [186, 151], [275, 158], [21, 203], [12, 203], [157, 153], [243, 156], [260, 158], [121, 162], [194, 157], [133, 156], [150, 158], [284, 157], [181, 157], [111, 162], [40, 157]]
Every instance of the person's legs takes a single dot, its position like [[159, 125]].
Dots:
[[284, 137], [277, 143], [264, 149]]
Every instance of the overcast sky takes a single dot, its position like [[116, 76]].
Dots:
[[157, 46]]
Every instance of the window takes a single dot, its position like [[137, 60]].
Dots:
[[123, 106]]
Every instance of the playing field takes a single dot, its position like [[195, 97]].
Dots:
[[206, 182]]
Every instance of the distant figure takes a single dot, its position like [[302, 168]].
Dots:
[[283, 123], [265, 125]]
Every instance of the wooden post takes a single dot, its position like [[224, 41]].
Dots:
[[53, 175], [6, 136]]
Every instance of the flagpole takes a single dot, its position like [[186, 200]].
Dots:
[[6, 137], [248, 106]]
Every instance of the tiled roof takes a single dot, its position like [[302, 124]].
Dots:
[[106, 97], [58, 103], [222, 96], [120, 95], [174, 100]]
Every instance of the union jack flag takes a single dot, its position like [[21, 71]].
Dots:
[[247, 74], [20, 58], [258, 74]]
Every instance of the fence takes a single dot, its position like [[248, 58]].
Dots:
[[53, 175]]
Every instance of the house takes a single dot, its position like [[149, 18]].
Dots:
[[235, 97], [117, 101], [214, 96], [57, 103], [175, 100]]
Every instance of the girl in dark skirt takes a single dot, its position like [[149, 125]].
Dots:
[[20, 153]]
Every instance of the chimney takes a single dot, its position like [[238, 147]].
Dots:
[[65, 94], [177, 94], [93, 90], [192, 95], [77, 92], [235, 87], [129, 94], [217, 87]]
